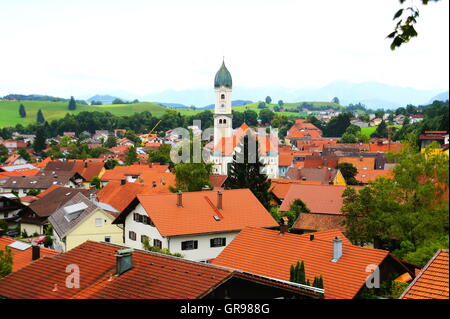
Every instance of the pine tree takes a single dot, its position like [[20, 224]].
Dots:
[[39, 141], [72, 104], [40, 117], [22, 111], [301, 274], [292, 273], [244, 171]]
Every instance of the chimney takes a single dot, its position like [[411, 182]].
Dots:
[[150, 165], [123, 181], [124, 261], [219, 200], [35, 251], [85, 165], [180, 199], [337, 249], [311, 237], [284, 225]]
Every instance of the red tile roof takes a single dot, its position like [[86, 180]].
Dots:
[[22, 258], [285, 159], [359, 162], [266, 253], [384, 148], [319, 222], [318, 198], [280, 187], [153, 276], [240, 209], [432, 281], [120, 172], [217, 180]]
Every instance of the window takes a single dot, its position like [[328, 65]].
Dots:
[[224, 121], [189, 244], [222, 96], [157, 243], [218, 242], [132, 235], [108, 239], [143, 238], [220, 121], [136, 217], [98, 222]]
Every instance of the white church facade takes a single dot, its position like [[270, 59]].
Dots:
[[226, 140]]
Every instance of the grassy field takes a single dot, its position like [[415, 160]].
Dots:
[[367, 131], [9, 110]]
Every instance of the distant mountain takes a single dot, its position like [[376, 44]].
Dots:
[[373, 94], [38, 97], [105, 99], [173, 105], [233, 103], [440, 97]]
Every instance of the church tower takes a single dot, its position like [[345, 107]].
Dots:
[[222, 112]]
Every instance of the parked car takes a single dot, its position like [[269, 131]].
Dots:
[[12, 233]]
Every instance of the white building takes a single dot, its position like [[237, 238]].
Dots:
[[199, 225], [226, 140]]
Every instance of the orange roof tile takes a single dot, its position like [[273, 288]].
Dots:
[[319, 222], [394, 147], [359, 162], [265, 252], [240, 208], [432, 281], [22, 258], [153, 276], [120, 172], [285, 159], [318, 198]]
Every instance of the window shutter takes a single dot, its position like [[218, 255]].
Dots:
[[224, 241], [211, 242], [195, 244]]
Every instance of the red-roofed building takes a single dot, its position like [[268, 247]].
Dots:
[[432, 281], [343, 266], [130, 173], [196, 224], [23, 252], [142, 275]]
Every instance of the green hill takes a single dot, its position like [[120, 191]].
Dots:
[[9, 110]]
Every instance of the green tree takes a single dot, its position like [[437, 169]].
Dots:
[[266, 116], [406, 18], [162, 155], [192, 177], [22, 111], [337, 125], [72, 104], [262, 105], [6, 261], [39, 142], [131, 156], [110, 142], [268, 100], [280, 103], [349, 173], [335, 100], [411, 209], [40, 117], [250, 117], [381, 131], [111, 163], [96, 182], [245, 171]]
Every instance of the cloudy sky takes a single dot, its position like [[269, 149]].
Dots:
[[81, 48]]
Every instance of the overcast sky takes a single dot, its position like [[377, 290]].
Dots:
[[79, 48]]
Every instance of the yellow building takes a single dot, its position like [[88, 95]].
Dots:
[[82, 219], [339, 179]]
